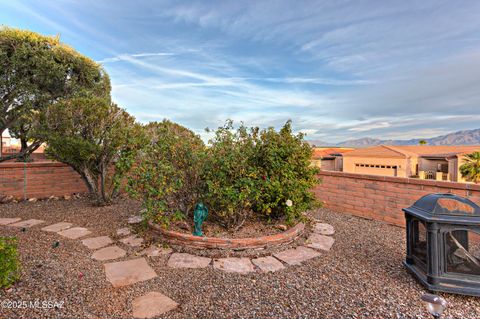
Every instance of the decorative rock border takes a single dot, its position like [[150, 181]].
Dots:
[[229, 243]]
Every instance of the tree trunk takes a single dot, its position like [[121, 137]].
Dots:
[[91, 180]]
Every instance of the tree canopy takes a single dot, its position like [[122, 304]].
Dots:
[[96, 138], [37, 71]]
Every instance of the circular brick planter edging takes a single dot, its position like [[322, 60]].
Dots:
[[229, 243]]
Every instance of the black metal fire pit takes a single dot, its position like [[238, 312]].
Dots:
[[443, 243]]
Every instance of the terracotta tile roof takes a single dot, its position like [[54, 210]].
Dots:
[[328, 152], [400, 151], [440, 150]]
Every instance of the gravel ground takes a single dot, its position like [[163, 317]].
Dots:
[[361, 277]]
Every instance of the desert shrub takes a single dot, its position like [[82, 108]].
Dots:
[[243, 173], [253, 172], [167, 175], [229, 177], [283, 160], [95, 137], [9, 264]]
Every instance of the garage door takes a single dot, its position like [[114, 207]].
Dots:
[[370, 169]]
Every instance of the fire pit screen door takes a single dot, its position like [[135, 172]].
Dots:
[[443, 243]]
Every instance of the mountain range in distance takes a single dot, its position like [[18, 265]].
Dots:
[[467, 137]]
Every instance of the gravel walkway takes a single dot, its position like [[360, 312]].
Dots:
[[360, 277]]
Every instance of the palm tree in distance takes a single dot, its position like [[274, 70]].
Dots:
[[470, 169]]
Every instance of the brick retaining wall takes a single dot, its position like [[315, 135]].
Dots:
[[39, 180], [382, 197]]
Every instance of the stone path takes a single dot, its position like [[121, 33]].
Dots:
[[231, 264], [74, 233], [132, 271], [97, 242], [109, 253], [132, 241], [6, 221], [124, 273], [27, 223], [151, 305], [57, 227], [182, 260], [268, 263]]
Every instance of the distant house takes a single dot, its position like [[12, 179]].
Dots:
[[426, 162], [329, 159]]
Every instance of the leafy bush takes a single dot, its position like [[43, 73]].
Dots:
[[9, 264], [167, 177], [255, 172], [283, 160], [242, 173], [230, 177]]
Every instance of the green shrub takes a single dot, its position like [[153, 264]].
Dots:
[[229, 175], [283, 160], [243, 173], [167, 177], [9, 264]]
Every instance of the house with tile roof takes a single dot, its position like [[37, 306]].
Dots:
[[329, 158], [421, 161]]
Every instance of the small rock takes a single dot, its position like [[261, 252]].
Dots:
[[320, 242], [7, 199], [32, 200], [184, 225], [132, 241], [123, 231], [135, 219], [323, 229], [155, 251], [67, 197], [282, 227]]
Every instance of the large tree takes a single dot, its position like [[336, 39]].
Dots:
[[96, 138], [35, 72], [470, 169]]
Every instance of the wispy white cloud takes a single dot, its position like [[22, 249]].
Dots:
[[126, 57]]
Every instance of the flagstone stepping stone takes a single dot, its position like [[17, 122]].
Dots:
[[97, 242], [123, 231], [109, 253], [268, 263], [321, 242], [75, 232], [155, 251], [6, 221], [323, 229], [135, 219], [133, 241], [27, 223], [152, 304], [297, 255], [124, 273], [183, 260], [232, 264], [57, 227]]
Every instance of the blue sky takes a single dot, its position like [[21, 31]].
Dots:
[[338, 69]]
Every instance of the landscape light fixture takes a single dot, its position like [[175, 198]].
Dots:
[[435, 304]]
